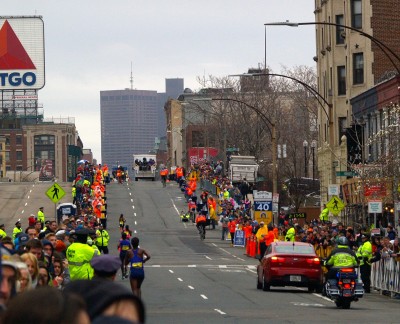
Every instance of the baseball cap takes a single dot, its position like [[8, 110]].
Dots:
[[23, 239]]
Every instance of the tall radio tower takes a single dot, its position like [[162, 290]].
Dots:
[[131, 77]]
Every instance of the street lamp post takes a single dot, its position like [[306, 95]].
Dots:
[[305, 145], [382, 46], [313, 146]]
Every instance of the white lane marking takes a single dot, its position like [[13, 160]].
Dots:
[[22, 211], [173, 204], [207, 257], [28, 197], [134, 231], [204, 296], [190, 287], [208, 266], [156, 266], [26, 204], [323, 297], [219, 311], [180, 279], [135, 222], [214, 244], [134, 214], [240, 259], [131, 200], [306, 304], [192, 266], [222, 266], [30, 191], [133, 207], [130, 194], [170, 271]]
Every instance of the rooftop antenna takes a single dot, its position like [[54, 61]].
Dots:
[[131, 77]]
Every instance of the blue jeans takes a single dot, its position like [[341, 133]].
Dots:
[[224, 232]]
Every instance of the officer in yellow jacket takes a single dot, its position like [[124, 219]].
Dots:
[[102, 239], [290, 235], [364, 254], [3, 233], [17, 229], [40, 216], [324, 216], [79, 255]]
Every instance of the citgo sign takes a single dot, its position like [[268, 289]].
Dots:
[[22, 53]]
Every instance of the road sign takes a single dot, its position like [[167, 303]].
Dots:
[[262, 195], [335, 205], [263, 205], [263, 216], [333, 190], [346, 174], [55, 193], [375, 206]]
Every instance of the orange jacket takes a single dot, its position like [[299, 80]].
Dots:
[[164, 172], [232, 226], [270, 238]]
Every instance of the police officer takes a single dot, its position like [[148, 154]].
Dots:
[[17, 229], [364, 254], [3, 233], [341, 257], [79, 255], [102, 239], [40, 216], [291, 234], [324, 216]]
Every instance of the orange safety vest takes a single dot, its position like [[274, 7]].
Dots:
[[164, 172], [201, 218]]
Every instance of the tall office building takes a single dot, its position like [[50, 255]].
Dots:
[[129, 124]]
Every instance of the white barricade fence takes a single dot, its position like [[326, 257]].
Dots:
[[385, 275]]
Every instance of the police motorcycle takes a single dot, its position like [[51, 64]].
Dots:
[[345, 287]]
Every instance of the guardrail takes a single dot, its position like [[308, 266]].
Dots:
[[385, 275]]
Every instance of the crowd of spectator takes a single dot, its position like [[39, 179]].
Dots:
[[36, 264]]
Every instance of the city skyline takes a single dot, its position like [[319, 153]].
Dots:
[[93, 47]]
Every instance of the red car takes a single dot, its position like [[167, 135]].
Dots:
[[290, 264]]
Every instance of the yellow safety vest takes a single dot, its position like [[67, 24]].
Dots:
[[40, 216], [2, 234], [102, 238], [16, 231], [79, 256]]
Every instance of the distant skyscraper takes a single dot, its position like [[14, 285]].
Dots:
[[173, 88], [129, 124]]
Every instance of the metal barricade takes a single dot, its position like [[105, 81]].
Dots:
[[385, 275]]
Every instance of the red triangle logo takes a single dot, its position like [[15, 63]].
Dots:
[[12, 54]]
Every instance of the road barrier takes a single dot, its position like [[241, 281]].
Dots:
[[385, 275], [251, 246]]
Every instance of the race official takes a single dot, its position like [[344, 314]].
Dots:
[[261, 235], [79, 254], [102, 239]]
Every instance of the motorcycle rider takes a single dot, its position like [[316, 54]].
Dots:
[[341, 257]]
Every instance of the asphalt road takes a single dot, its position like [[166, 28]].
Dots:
[[20, 199], [193, 281]]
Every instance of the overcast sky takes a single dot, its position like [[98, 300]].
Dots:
[[90, 45]]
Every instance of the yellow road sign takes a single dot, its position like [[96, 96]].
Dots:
[[263, 216], [335, 205], [55, 193]]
